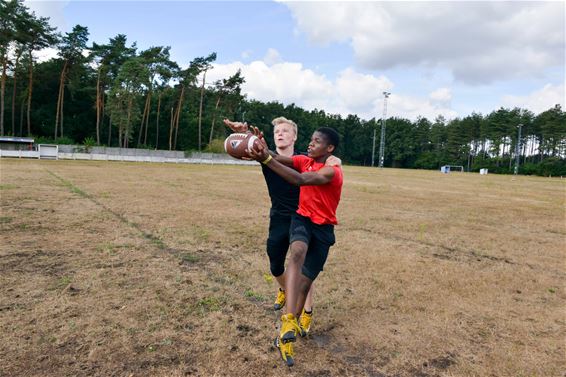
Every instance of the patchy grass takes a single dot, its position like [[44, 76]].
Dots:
[[249, 293], [106, 247], [210, 304], [6, 219], [189, 258], [160, 270], [63, 282]]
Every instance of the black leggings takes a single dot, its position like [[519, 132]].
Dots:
[[278, 243]]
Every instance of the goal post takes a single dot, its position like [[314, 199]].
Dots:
[[48, 151]]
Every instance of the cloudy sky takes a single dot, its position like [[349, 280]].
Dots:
[[436, 58]]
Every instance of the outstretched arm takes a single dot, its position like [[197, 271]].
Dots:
[[287, 161], [236, 126], [321, 177]]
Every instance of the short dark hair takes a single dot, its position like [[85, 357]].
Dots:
[[331, 135]]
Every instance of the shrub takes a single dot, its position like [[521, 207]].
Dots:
[[528, 168], [88, 143], [552, 166], [215, 146]]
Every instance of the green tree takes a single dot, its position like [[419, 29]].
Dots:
[[109, 58], [400, 142], [13, 25], [39, 35], [471, 129], [438, 136], [128, 86], [71, 49], [362, 142], [425, 154], [204, 64], [19, 49], [187, 79], [161, 69], [552, 125], [524, 118], [228, 90]]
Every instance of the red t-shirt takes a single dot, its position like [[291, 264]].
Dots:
[[318, 203]]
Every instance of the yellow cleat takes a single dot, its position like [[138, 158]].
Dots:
[[286, 351], [305, 323], [280, 300], [289, 328]]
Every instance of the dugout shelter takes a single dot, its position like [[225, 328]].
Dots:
[[11, 143]]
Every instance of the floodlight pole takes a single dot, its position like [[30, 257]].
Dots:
[[382, 141], [517, 150]]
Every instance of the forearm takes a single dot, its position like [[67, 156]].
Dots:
[[300, 179], [287, 161], [287, 173]]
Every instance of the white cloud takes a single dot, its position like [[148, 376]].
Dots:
[[413, 107], [45, 54], [538, 101], [441, 95], [246, 54], [284, 82], [359, 91], [350, 93], [479, 42], [55, 10], [272, 57], [49, 53]]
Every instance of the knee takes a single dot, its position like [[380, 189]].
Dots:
[[297, 254], [294, 258], [276, 259]]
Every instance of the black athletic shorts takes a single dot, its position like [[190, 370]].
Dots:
[[319, 238], [278, 242]]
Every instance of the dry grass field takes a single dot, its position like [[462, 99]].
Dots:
[[134, 269]]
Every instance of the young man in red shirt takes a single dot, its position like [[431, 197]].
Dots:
[[312, 227], [284, 203]]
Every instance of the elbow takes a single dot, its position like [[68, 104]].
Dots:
[[299, 181]]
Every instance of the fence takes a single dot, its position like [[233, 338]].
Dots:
[[74, 152]]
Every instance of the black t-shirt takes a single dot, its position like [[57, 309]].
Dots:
[[284, 196]]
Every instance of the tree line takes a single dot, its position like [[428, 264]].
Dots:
[[116, 94]]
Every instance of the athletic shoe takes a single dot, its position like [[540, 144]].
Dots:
[[280, 300], [305, 323], [289, 328], [286, 351]]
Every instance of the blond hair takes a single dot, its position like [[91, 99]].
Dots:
[[281, 120]]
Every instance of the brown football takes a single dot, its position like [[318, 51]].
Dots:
[[236, 144]]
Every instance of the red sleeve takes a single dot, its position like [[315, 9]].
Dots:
[[338, 177], [299, 162]]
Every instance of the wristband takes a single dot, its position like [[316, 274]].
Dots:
[[266, 161]]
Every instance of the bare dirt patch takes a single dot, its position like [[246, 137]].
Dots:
[[122, 269]]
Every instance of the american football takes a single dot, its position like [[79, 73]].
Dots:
[[237, 143]]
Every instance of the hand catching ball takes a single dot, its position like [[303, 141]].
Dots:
[[236, 145]]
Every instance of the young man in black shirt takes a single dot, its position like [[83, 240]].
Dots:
[[284, 203]]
